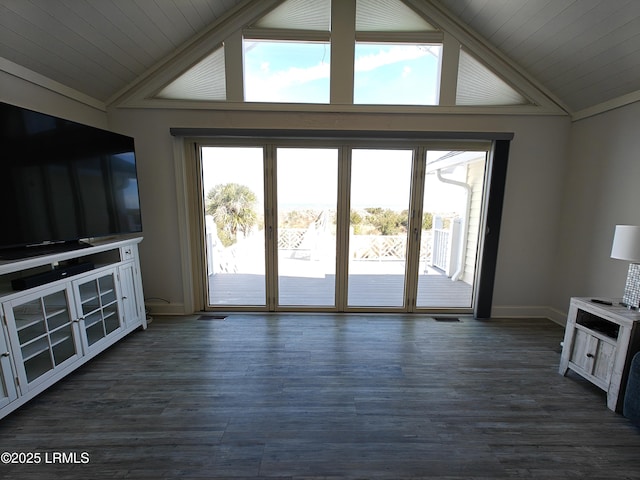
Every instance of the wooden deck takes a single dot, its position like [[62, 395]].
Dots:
[[340, 397], [435, 290]]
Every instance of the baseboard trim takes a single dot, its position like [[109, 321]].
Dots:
[[511, 311], [156, 308], [160, 308], [558, 316]]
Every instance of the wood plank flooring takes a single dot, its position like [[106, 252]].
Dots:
[[326, 397]]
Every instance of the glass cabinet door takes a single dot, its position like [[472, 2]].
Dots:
[[100, 314], [7, 384], [42, 334]]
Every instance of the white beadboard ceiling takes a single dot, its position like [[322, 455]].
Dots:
[[98, 47], [585, 52]]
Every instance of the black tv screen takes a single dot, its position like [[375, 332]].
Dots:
[[63, 181]]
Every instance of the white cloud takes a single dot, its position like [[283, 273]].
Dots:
[[271, 85], [394, 54], [299, 76], [274, 84]]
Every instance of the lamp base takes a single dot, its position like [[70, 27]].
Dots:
[[631, 297], [630, 307]]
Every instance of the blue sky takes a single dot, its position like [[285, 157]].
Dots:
[[299, 73], [287, 72], [313, 180]]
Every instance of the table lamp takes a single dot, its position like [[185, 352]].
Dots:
[[626, 246]]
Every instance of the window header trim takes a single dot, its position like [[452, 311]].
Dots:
[[336, 134]]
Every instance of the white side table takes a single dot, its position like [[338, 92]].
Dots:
[[599, 343]]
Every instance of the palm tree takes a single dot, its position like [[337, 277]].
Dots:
[[233, 209]]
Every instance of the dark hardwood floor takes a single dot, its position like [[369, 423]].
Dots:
[[326, 397]]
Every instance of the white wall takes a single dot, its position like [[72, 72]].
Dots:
[[602, 190], [18, 91], [531, 212], [527, 280]]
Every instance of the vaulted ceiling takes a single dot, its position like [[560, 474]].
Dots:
[[584, 53], [587, 52]]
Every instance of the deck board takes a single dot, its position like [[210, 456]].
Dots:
[[435, 290]]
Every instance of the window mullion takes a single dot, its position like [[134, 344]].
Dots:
[[343, 226], [233, 63], [415, 227], [343, 24], [448, 77], [271, 225], [400, 37], [281, 34]]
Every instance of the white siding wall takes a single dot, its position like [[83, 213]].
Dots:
[[475, 178]]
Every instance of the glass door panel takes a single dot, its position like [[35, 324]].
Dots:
[[380, 192], [452, 209], [233, 185], [44, 337], [99, 307], [307, 185]]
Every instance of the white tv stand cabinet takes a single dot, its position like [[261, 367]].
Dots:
[[50, 330]]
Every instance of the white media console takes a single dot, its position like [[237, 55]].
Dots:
[[49, 330]]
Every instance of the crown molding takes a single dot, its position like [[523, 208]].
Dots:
[[603, 107], [30, 76]]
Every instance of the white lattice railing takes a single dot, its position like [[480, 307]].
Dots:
[[426, 245], [378, 247], [387, 247], [291, 238], [440, 258], [363, 247]]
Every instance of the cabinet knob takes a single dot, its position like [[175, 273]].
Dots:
[[590, 355], [5, 354]]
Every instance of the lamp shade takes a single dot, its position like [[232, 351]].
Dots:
[[626, 243]]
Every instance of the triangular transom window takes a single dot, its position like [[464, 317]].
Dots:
[[299, 15], [477, 85], [203, 81], [391, 55], [388, 16]]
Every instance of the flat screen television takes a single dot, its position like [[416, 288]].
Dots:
[[62, 182]]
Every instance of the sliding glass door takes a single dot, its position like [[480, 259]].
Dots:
[[233, 200], [340, 227], [307, 186], [452, 208], [378, 226]]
